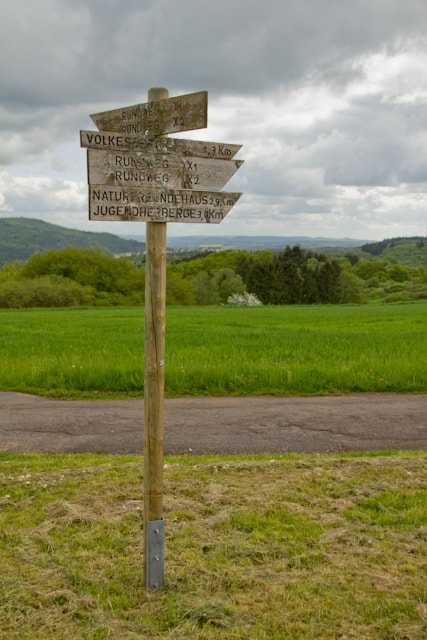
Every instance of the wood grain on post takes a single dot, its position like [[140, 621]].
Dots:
[[154, 371], [154, 375]]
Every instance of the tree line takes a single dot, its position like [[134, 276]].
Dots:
[[75, 277]]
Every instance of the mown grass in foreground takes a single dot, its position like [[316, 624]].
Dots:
[[218, 350], [305, 547]]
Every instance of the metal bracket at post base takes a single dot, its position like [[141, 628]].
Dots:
[[154, 561]]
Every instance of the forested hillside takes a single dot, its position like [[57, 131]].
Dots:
[[256, 243], [20, 238], [409, 251]]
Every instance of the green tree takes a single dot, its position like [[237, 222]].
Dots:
[[398, 273], [293, 276], [225, 282], [178, 289], [366, 269], [202, 289], [257, 273], [350, 288], [328, 281]]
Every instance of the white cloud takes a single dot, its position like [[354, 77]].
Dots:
[[40, 195]]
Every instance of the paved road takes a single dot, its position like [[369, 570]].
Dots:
[[220, 425]]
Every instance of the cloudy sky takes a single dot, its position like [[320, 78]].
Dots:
[[328, 97]]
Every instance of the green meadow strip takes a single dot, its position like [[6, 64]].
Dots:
[[218, 350]]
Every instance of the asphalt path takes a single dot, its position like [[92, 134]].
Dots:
[[217, 425]]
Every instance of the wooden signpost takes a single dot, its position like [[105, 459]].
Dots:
[[137, 174]]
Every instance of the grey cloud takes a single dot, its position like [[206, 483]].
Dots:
[[71, 51], [372, 142]]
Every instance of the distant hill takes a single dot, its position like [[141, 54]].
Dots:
[[21, 237], [410, 251], [257, 242]]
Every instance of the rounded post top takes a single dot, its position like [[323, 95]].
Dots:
[[157, 93]]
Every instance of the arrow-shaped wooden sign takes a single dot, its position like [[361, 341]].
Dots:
[[159, 170], [181, 113], [112, 141], [136, 204]]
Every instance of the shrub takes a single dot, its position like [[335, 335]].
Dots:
[[226, 283], [88, 267], [350, 288], [401, 296], [178, 289], [398, 273], [11, 271], [393, 287], [203, 291], [217, 287], [367, 269], [44, 292]]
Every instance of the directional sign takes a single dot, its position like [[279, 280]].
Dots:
[[171, 115], [150, 169], [136, 204], [111, 141], [137, 174]]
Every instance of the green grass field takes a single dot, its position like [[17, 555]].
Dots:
[[298, 547], [218, 350]]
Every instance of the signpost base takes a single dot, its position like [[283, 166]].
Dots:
[[154, 554]]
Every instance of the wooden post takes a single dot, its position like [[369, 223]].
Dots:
[[154, 381]]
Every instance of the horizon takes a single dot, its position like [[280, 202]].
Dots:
[[141, 237]]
